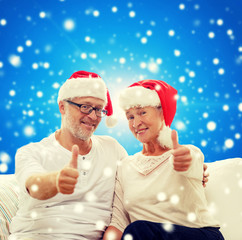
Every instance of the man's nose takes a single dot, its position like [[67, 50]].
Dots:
[[92, 115]]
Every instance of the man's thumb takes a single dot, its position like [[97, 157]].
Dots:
[[75, 153], [174, 138]]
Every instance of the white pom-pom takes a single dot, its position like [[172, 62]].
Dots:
[[164, 137], [111, 121]]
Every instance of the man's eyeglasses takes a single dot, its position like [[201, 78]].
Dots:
[[87, 109]]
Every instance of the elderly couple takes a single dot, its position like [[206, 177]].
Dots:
[[69, 187]]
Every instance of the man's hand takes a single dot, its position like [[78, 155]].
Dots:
[[182, 155], [66, 179], [205, 174]]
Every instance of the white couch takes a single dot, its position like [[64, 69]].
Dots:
[[223, 191], [224, 195], [9, 192]]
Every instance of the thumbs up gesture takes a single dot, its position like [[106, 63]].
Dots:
[[182, 155], [66, 178]]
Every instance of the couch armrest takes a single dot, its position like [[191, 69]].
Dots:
[[224, 195], [9, 192]]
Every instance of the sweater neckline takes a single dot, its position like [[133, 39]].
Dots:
[[147, 164]]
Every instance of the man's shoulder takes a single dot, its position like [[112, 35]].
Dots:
[[104, 138], [37, 145], [109, 143]]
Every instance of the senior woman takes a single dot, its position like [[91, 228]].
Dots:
[[158, 192]]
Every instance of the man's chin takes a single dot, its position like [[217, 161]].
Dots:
[[83, 135]]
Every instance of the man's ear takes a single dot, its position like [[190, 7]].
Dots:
[[62, 107]]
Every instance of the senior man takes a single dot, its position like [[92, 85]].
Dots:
[[67, 179]]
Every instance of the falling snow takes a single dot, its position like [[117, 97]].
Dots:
[[114, 9], [201, 57], [34, 188], [78, 208], [174, 199], [168, 227], [69, 24], [211, 126], [161, 196], [15, 60], [132, 14], [42, 14], [3, 22]]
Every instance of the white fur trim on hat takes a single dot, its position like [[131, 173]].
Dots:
[[83, 87], [138, 96]]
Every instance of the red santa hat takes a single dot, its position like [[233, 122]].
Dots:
[[151, 93], [88, 84]]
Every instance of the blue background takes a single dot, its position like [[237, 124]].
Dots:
[[196, 46]]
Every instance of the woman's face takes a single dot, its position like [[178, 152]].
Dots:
[[145, 123]]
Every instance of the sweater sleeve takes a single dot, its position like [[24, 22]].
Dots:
[[195, 170], [120, 218], [26, 164]]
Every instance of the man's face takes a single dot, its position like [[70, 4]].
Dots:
[[79, 124]]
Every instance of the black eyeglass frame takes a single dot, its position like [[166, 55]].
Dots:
[[90, 108]]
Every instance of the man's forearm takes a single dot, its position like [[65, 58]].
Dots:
[[42, 186]]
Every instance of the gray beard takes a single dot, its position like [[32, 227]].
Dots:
[[164, 137], [76, 130]]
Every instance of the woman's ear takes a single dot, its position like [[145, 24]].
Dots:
[[161, 113]]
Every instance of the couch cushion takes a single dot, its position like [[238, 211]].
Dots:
[[8, 203], [223, 192], [224, 195]]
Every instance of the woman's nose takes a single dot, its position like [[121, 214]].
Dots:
[[136, 122]]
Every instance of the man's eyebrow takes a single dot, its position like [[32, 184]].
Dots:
[[91, 104]]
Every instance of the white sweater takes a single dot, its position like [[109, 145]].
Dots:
[[148, 188], [81, 215]]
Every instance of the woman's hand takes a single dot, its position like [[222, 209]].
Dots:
[[182, 155]]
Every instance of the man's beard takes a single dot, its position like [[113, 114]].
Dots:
[[70, 123], [164, 137]]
